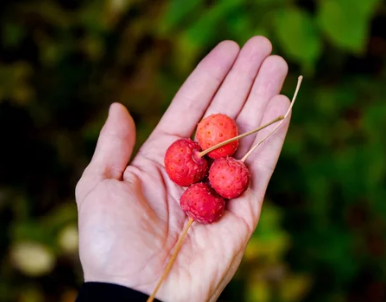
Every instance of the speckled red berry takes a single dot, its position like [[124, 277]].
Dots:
[[229, 177], [183, 164], [202, 204], [215, 129]]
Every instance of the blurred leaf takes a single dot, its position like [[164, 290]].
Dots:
[[346, 22], [115, 9], [93, 47], [69, 296], [271, 247], [48, 11], [319, 192], [378, 200], [374, 119], [270, 2], [93, 16], [240, 25], [60, 216], [177, 11], [68, 239], [258, 292], [335, 249], [269, 241], [12, 34], [294, 288], [350, 167], [14, 83], [207, 26], [30, 230], [270, 218], [298, 36], [330, 101], [32, 258], [51, 52], [31, 294]]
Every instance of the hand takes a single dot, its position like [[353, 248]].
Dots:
[[129, 216]]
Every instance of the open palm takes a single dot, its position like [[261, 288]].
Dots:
[[129, 216]]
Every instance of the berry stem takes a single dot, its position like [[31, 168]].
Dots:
[[300, 78], [172, 259], [206, 151]]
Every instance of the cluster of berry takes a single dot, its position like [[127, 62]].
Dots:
[[186, 165]]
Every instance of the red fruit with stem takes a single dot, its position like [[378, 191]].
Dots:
[[229, 177], [215, 129], [202, 204], [183, 163]]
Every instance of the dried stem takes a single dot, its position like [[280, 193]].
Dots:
[[172, 259], [285, 116]]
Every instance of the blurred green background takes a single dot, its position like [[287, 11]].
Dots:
[[322, 232]]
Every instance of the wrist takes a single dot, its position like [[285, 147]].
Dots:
[[105, 292]]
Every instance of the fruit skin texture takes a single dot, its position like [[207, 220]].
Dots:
[[229, 177], [202, 204], [215, 129], [182, 163]]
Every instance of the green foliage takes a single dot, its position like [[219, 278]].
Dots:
[[345, 22], [298, 35], [321, 235], [177, 11]]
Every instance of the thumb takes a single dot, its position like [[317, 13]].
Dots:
[[115, 144], [114, 148]]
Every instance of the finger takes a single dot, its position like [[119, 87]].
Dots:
[[193, 98], [115, 144], [234, 91], [261, 163], [268, 83]]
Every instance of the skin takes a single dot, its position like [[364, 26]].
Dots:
[[129, 215]]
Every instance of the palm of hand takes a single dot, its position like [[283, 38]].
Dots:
[[129, 217]]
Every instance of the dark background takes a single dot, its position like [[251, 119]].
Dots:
[[322, 232]]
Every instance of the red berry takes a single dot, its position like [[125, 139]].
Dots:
[[229, 177], [183, 164], [202, 204], [215, 129]]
